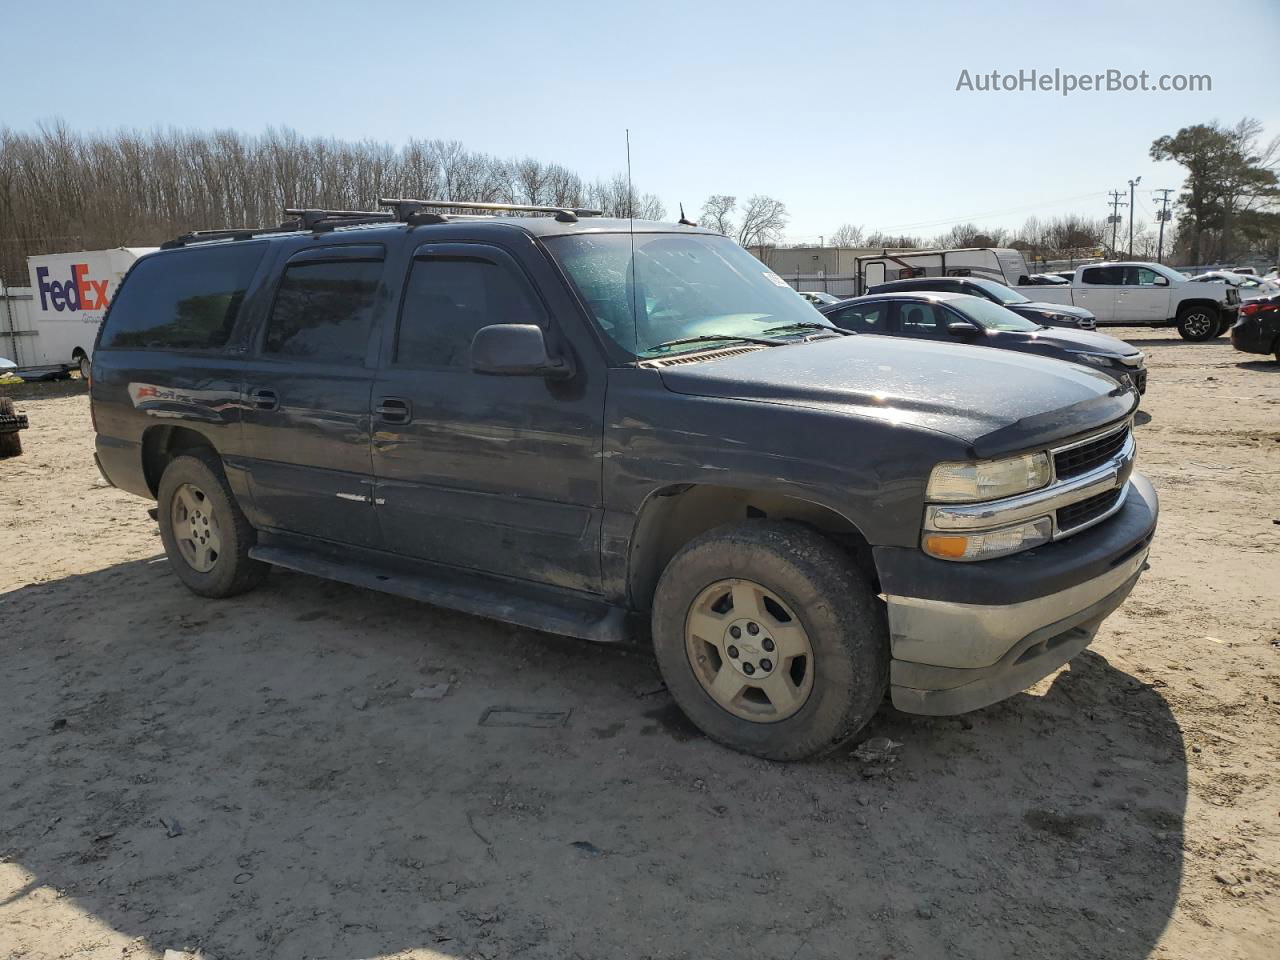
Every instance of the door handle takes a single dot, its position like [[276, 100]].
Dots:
[[394, 410], [264, 399]]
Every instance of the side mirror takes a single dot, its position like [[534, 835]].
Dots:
[[515, 350], [958, 328], [1161, 281]]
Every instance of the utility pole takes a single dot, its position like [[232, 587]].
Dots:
[[1164, 217], [1114, 219], [1132, 184]]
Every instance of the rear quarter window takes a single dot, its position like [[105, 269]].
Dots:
[[186, 300]]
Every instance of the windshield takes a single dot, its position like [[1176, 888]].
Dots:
[[998, 290], [992, 316], [685, 285]]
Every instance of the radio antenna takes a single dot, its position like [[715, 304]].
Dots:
[[631, 217]]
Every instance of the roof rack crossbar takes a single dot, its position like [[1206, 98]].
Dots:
[[405, 208], [309, 218]]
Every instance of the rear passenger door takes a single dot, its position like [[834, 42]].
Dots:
[[1098, 290], [307, 390], [499, 474]]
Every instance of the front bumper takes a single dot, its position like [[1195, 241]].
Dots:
[[965, 638]]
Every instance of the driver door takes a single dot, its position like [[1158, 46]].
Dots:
[[1143, 298], [498, 474]]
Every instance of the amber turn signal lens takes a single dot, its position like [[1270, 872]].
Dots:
[[951, 548]]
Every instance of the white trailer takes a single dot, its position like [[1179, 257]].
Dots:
[[48, 328], [1001, 264]]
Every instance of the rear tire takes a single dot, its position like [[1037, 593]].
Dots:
[[10, 443], [206, 536], [809, 664], [86, 366], [1198, 324]]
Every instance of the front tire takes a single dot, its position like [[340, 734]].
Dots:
[[1198, 324], [86, 366], [769, 640], [206, 536]]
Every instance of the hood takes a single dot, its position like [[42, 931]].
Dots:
[[1040, 306], [997, 401], [1083, 341]]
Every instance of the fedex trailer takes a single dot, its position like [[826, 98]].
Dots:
[[48, 328]]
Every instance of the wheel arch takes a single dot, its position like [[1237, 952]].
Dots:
[[672, 516], [163, 442], [1198, 302]]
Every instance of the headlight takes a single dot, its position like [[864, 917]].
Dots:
[[989, 543], [987, 480], [1097, 359]]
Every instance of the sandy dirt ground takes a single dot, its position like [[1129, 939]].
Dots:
[[252, 778]]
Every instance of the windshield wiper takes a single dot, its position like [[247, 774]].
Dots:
[[707, 337], [809, 325]]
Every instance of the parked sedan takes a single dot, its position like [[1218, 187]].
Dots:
[[1257, 329], [1042, 314], [960, 318], [819, 299]]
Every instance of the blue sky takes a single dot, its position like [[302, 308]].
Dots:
[[845, 111]]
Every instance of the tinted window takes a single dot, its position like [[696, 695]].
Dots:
[[1107, 276], [448, 299], [864, 318], [185, 300], [323, 311]]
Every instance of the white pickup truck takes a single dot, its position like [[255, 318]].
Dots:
[[1146, 294]]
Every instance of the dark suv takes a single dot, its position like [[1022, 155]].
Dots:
[[604, 428]]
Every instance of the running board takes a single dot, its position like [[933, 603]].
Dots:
[[525, 606]]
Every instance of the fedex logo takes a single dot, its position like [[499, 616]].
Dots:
[[78, 293]]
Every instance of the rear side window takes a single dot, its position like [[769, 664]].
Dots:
[[323, 311], [448, 299], [187, 300], [1103, 276]]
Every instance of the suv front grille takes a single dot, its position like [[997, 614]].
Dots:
[[1082, 458], [1082, 511]]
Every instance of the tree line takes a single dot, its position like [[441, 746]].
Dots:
[[63, 190]]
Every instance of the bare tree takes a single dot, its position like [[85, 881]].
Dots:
[[716, 213], [63, 190], [763, 219], [849, 235]]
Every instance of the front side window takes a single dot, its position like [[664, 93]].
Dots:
[[922, 320], [682, 285], [185, 300], [323, 311], [1139, 277], [449, 298]]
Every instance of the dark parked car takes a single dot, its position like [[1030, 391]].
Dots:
[[1257, 329], [960, 318], [1044, 314], [582, 425]]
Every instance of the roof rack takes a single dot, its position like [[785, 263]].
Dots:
[[417, 211], [412, 212], [309, 218]]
